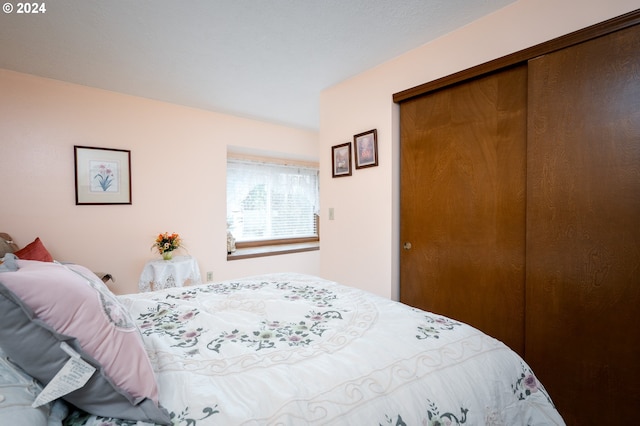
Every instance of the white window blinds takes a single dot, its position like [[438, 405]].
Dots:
[[268, 201]]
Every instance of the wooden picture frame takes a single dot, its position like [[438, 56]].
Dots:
[[341, 160], [366, 147], [103, 175]]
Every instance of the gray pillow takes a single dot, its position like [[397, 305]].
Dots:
[[6, 246]]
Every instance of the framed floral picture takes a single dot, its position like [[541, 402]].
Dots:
[[341, 160], [366, 146], [103, 175]]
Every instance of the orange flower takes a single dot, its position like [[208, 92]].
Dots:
[[167, 242]]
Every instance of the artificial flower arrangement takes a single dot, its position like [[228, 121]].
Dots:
[[166, 243]]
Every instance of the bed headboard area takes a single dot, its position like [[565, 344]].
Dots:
[[35, 250]]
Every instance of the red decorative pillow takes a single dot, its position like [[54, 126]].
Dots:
[[34, 251]]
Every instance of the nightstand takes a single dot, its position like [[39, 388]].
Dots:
[[159, 274]]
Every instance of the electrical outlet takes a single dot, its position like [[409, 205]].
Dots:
[[209, 276], [331, 214]]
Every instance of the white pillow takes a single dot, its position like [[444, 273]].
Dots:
[[18, 390]]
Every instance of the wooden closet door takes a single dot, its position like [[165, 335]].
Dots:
[[583, 228], [462, 206]]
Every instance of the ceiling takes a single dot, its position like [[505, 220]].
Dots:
[[261, 59]]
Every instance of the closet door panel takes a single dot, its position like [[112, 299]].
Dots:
[[583, 227], [463, 203]]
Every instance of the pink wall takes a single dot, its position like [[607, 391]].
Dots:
[[178, 159], [179, 154]]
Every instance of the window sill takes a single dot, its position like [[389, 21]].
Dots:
[[273, 250]]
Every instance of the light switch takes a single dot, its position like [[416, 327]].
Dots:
[[331, 214]]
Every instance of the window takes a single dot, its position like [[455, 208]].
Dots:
[[269, 201]]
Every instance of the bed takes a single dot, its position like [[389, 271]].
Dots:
[[278, 349]]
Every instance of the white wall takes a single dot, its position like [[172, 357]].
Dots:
[[360, 247], [178, 176]]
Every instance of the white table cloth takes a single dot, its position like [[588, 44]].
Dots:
[[160, 274]]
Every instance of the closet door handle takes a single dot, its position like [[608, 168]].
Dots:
[[407, 245]]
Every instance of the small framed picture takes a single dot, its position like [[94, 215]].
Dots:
[[103, 175], [366, 146], [341, 159]]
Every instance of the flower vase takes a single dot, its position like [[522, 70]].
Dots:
[[167, 255]]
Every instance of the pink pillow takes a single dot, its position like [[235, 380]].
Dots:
[[34, 251], [74, 302]]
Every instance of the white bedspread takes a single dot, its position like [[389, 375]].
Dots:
[[290, 349]]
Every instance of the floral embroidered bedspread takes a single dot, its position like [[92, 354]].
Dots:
[[291, 349]]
